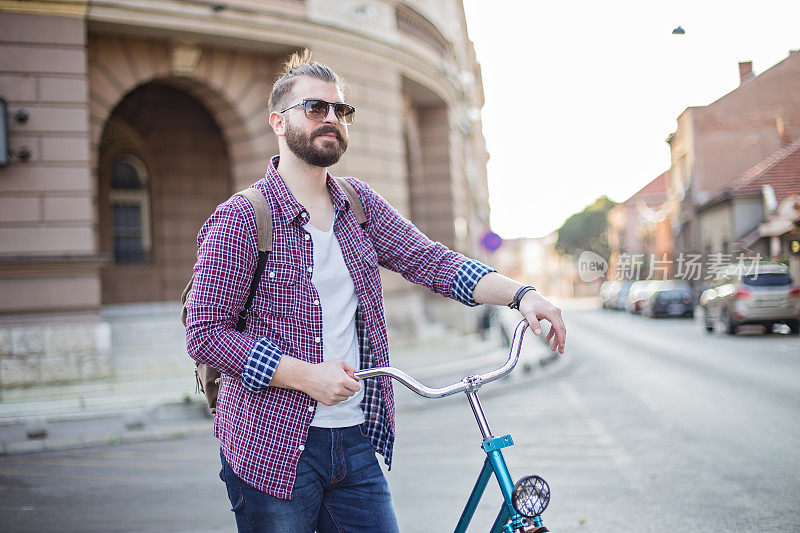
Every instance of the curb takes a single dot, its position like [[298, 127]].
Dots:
[[195, 429]]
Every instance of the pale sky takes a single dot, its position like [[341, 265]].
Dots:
[[581, 95]]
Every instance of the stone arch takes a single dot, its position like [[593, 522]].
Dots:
[[232, 85], [148, 225]]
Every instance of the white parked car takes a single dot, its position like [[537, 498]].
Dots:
[[765, 296]]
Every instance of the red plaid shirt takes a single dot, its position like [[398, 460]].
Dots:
[[262, 429]]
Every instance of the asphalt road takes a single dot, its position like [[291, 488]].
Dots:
[[653, 426]]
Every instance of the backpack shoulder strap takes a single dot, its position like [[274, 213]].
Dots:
[[263, 217], [264, 228], [355, 201]]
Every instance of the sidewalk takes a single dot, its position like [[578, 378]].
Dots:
[[163, 405]]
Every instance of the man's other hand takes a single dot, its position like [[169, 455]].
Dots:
[[535, 307]]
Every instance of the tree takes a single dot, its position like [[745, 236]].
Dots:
[[586, 230]]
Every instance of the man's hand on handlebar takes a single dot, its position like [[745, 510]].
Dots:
[[331, 382], [535, 307]]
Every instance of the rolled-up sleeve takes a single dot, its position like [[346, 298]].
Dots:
[[403, 248], [467, 277], [261, 365]]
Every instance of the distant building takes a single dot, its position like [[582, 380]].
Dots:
[[536, 261], [143, 116], [718, 143], [761, 209], [523, 259], [639, 229]]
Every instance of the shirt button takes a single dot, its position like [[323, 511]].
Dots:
[[272, 274], [307, 237], [310, 408], [301, 447], [310, 269], [317, 339], [304, 214]]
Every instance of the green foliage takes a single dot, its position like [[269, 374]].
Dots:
[[586, 230]]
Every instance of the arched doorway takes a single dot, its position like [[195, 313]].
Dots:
[[163, 168], [427, 140]]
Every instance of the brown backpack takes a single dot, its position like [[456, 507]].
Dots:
[[209, 379]]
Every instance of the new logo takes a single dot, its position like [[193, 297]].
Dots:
[[591, 266]]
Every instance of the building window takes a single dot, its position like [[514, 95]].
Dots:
[[130, 211], [416, 25]]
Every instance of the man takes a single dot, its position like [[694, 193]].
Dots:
[[298, 433]]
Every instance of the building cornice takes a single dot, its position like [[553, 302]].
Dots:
[[73, 9], [252, 29]]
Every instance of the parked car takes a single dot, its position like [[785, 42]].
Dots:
[[614, 294], [638, 293], [620, 300], [670, 299], [765, 297], [608, 290]]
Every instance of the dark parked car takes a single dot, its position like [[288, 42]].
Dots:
[[670, 299]]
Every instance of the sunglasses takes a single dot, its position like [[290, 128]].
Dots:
[[316, 109]]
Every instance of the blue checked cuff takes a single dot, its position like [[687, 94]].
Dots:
[[261, 366], [467, 276]]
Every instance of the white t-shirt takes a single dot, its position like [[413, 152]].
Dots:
[[337, 296]]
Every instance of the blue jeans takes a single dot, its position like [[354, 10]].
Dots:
[[339, 488]]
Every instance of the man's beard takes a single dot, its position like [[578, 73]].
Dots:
[[301, 145]]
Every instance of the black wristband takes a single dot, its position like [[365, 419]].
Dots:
[[514, 304]]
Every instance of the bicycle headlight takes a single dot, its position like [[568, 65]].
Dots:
[[531, 496]]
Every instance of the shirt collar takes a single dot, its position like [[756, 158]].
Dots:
[[287, 205], [340, 200]]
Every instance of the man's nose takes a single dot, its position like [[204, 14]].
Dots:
[[330, 116]]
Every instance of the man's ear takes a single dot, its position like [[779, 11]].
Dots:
[[276, 120]]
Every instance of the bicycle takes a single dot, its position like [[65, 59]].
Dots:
[[523, 502]]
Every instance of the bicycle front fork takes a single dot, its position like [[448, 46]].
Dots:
[[509, 519]]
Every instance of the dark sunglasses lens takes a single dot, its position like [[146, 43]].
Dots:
[[345, 113], [316, 109]]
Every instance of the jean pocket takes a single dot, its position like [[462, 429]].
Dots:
[[239, 505]]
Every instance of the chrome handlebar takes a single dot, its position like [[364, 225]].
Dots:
[[468, 384]]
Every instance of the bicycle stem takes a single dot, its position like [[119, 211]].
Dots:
[[477, 410]]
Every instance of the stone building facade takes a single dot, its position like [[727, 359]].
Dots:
[[130, 121]]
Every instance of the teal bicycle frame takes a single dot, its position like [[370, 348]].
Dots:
[[509, 519]]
